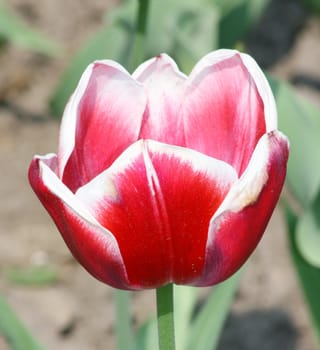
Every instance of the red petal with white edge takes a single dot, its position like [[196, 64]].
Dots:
[[102, 119], [158, 200], [227, 107], [164, 85], [91, 244], [239, 223]]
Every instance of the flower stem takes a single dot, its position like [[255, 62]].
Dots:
[[165, 317], [141, 29]]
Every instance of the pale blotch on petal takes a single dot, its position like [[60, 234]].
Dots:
[[247, 189]]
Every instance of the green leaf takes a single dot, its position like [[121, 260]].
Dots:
[[14, 331], [184, 29], [313, 5], [112, 41], [308, 233], [123, 320], [237, 18], [308, 236], [300, 121], [33, 275], [185, 299], [207, 326], [309, 275], [196, 34], [146, 337], [13, 30]]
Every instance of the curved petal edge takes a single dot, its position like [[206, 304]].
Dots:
[[91, 244], [239, 223]]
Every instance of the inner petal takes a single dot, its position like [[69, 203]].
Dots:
[[164, 85], [223, 111], [109, 116]]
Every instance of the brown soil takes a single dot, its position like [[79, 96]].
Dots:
[[76, 312]]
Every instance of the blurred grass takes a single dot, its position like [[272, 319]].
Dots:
[[14, 31], [14, 331]]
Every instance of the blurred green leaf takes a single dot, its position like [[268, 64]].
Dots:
[[308, 236], [14, 331], [313, 5], [146, 337], [184, 29], [13, 30], [185, 299], [300, 121], [33, 275], [237, 18], [112, 41], [123, 320], [309, 275], [207, 326], [196, 34]]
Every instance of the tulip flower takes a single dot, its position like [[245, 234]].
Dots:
[[165, 178]]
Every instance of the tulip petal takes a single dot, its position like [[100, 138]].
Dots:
[[164, 85], [239, 223], [158, 200], [91, 244], [224, 113], [102, 118]]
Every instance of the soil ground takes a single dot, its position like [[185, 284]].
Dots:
[[76, 312]]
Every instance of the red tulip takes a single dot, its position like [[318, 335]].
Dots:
[[161, 177]]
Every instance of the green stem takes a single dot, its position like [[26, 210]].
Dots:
[[165, 317], [123, 320], [141, 29]]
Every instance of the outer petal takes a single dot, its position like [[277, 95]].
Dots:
[[164, 85], [239, 223], [102, 118], [92, 245], [158, 200], [227, 102]]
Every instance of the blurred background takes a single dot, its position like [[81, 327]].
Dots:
[[44, 46]]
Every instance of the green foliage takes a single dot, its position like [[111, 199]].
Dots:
[[14, 331], [207, 326], [123, 333], [308, 234], [147, 336], [300, 120], [237, 18], [14, 31], [184, 29], [309, 275], [185, 300], [312, 5], [33, 275]]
